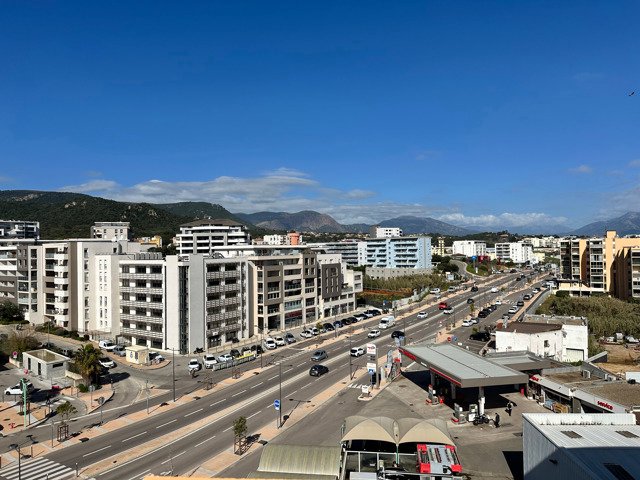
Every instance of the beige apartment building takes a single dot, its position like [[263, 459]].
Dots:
[[608, 264]]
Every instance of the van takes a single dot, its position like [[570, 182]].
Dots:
[[435, 291], [386, 322], [108, 345]]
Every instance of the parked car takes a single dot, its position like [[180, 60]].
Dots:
[[631, 339], [305, 334], [337, 324], [526, 297], [314, 331], [235, 353], [513, 309], [258, 349], [466, 323], [367, 314], [357, 351], [289, 338], [280, 341], [494, 289], [17, 389], [520, 303], [209, 360], [474, 320], [480, 336], [442, 305], [225, 357], [483, 313], [328, 327], [319, 355], [194, 364], [434, 291], [106, 362], [423, 314], [536, 290], [448, 310], [374, 312], [470, 301], [119, 350], [270, 344], [493, 307], [155, 357], [360, 316], [318, 370], [349, 320], [397, 334], [107, 345], [373, 333]]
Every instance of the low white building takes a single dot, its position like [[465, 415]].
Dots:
[[469, 248], [517, 252], [565, 339], [385, 232], [596, 446]]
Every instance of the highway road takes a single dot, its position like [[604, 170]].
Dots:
[[252, 397]]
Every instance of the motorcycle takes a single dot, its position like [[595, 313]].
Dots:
[[198, 350], [481, 419]]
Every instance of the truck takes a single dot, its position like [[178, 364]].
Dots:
[[386, 322]]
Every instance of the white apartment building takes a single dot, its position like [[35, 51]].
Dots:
[[565, 339], [351, 251], [203, 236], [19, 229], [384, 232], [469, 248], [110, 230], [517, 252], [291, 238], [400, 252], [543, 242]]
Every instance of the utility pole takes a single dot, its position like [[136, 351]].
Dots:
[[173, 366], [350, 372], [280, 396], [146, 387]]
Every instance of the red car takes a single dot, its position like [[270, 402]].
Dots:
[[442, 305]]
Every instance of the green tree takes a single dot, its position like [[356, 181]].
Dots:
[[19, 341], [10, 313], [240, 427], [86, 362], [65, 410]]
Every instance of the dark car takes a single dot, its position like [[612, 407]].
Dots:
[[397, 334], [520, 303], [328, 327], [480, 336], [470, 301], [374, 312], [474, 289], [527, 296], [257, 349], [493, 307], [347, 321], [234, 353], [318, 370], [337, 324], [483, 314]]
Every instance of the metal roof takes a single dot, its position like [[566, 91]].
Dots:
[[520, 360], [403, 430], [462, 367], [301, 460], [593, 440]]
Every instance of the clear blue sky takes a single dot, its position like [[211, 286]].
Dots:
[[477, 113]]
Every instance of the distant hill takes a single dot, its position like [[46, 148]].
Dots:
[[195, 210], [411, 225], [627, 224], [305, 221]]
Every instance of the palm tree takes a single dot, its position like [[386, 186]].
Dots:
[[86, 362], [65, 410]]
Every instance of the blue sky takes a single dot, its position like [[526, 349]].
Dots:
[[498, 114]]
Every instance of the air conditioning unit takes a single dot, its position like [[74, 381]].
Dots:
[[586, 374]]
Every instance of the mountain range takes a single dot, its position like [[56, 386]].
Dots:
[[67, 215]]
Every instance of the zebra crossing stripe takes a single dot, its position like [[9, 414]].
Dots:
[[39, 469]]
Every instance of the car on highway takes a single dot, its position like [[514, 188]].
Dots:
[[357, 351], [318, 355], [513, 309], [373, 333], [194, 364], [423, 314], [17, 389], [280, 341], [448, 310], [306, 334], [289, 338], [466, 323], [225, 357], [270, 343], [470, 301], [498, 302], [318, 370], [209, 360], [484, 313], [106, 362], [474, 288], [442, 305], [494, 289], [397, 334], [480, 336], [120, 351]]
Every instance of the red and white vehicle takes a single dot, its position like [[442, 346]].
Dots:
[[443, 305], [437, 459]]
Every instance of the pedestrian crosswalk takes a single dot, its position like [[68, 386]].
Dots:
[[37, 469]]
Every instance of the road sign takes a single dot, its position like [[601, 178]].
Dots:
[[276, 404], [371, 349], [15, 354], [371, 368]]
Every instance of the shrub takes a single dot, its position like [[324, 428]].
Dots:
[[83, 388]]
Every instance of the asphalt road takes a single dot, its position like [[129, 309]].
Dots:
[[253, 398]]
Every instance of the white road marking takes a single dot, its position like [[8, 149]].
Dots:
[[196, 411], [219, 401], [165, 424], [275, 376], [239, 393], [135, 436], [254, 414], [257, 385], [204, 441], [96, 451], [227, 429]]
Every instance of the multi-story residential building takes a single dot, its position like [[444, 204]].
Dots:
[[517, 252], [600, 265], [469, 248], [150, 242], [439, 249], [384, 232], [19, 274], [543, 242], [337, 286], [203, 236], [351, 251], [19, 229], [291, 238], [110, 230], [399, 252]]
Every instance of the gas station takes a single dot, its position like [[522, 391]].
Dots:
[[453, 369]]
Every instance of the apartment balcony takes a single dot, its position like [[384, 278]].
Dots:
[[60, 281], [219, 302], [141, 318], [142, 276], [223, 288], [220, 275], [142, 304], [140, 333]]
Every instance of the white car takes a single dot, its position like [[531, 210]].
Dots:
[[281, 342], [498, 302], [270, 344], [631, 339], [306, 334], [194, 364], [513, 309], [225, 357], [422, 314], [494, 289], [373, 333], [209, 360], [434, 291], [467, 323], [448, 310], [17, 389], [357, 351], [106, 362], [315, 331]]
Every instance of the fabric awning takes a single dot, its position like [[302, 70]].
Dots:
[[383, 429], [416, 430]]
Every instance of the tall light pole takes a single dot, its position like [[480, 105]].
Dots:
[[16, 447], [280, 396], [350, 364], [173, 367]]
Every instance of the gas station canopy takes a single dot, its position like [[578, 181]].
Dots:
[[462, 367]]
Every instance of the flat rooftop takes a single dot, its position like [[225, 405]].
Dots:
[[617, 391], [47, 356], [462, 367]]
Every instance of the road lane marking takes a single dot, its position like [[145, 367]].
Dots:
[[257, 385], [135, 436], [165, 424], [275, 376], [216, 403], [254, 414], [196, 411], [227, 429], [293, 392], [140, 475], [204, 441], [239, 393], [287, 370], [96, 451]]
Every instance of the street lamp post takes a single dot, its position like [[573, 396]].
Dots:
[[16, 447], [350, 363], [173, 367], [280, 396]]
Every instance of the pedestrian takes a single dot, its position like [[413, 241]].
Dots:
[[509, 408], [496, 421]]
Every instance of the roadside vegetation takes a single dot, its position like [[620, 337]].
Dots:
[[10, 314]]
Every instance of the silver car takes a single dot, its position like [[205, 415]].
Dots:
[[319, 355]]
